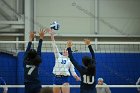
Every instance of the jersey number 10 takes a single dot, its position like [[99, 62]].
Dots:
[[88, 79]]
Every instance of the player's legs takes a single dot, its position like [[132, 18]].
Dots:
[[27, 88], [46, 90], [66, 89], [56, 90], [61, 81], [32, 88], [57, 81], [36, 89]]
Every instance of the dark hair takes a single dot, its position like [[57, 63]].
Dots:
[[32, 58], [32, 53], [90, 64]]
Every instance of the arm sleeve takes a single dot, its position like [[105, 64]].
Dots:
[[39, 47], [28, 48], [74, 62], [93, 57], [91, 51], [55, 49]]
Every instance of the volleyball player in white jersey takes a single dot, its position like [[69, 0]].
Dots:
[[61, 68]]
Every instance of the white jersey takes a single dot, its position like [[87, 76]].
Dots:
[[62, 64]]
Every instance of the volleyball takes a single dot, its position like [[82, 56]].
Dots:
[[55, 26]]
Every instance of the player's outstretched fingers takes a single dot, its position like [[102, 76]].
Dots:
[[87, 41], [69, 43]]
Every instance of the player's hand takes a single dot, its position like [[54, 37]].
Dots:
[[69, 43], [87, 41], [31, 37], [78, 78], [50, 31], [42, 33]]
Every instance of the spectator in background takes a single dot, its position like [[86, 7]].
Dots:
[[2, 82], [102, 89], [138, 83]]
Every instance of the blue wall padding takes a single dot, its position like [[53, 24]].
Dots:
[[115, 68], [8, 70]]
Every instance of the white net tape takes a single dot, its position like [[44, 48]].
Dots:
[[75, 86], [78, 46]]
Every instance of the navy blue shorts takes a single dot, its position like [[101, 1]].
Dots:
[[88, 90], [60, 80], [32, 88]]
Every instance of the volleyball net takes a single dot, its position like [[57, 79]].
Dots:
[[78, 46], [116, 62]]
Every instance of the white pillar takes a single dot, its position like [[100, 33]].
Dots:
[[17, 44], [96, 6], [29, 20], [96, 44], [96, 30]]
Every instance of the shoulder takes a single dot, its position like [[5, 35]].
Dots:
[[60, 56], [104, 84]]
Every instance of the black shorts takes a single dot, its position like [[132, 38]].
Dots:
[[32, 87], [88, 91]]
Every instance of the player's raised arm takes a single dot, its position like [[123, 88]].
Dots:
[[93, 64], [72, 70], [41, 34], [74, 62], [55, 48], [31, 37], [88, 42]]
